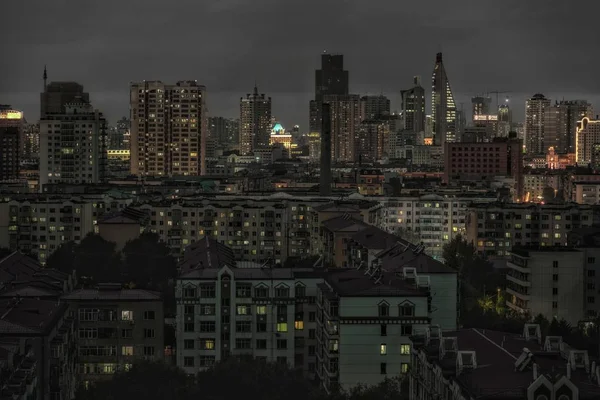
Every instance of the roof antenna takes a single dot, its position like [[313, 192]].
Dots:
[[45, 77], [255, 88]]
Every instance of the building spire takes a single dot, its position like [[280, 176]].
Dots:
[[45, 77], [255, 88]]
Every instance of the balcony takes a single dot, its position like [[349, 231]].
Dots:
[[517, 281], [524, 270], [515, 307], [522, 296]]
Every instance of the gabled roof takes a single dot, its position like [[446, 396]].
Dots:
[[18, 271], [374, 238], [344, 223], [206, 253]]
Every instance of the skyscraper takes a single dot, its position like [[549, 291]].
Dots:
[[413, 107], [331, 79], [255, 122], [575, 111], [504, 120], [481, 105], [168, 128], [73, 137], [12, 127], [226, 131], [373, 107], [345, 124], [443, 107], [588, 136], [535, 109]]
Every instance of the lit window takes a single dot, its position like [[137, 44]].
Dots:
[[261, 310], [383, 349], [405, 349], [208, 344], [126, 315], [127, 350], [299, 325], [243, 310], [282, 327], [404, 368]]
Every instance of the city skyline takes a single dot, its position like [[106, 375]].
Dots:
[[538, 59]]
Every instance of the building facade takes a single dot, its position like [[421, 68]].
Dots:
[[168, 128], [255, 122], [443, 106], [535, 110], [12, 136], [588, 135]]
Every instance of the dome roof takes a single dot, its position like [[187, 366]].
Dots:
[[277, 127]]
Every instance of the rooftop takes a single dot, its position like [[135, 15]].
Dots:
[[112, 292], [206, 253], [354, 283], [28, 316]]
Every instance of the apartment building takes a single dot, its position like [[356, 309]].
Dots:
[[365, 318], [36, 350], [116, 327], [38, 225], [473, 363], [586, 192], [494, 228], [168, 128], [550, 281], [224, 310], [431, 219], [535, 183]]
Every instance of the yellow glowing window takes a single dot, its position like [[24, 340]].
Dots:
[[127, 350], [193, 154], [282, 327], [405, 349], [298, 325], [261, 310], [209, 344], [383, 349]]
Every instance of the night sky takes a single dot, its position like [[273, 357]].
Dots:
[[523, 46]]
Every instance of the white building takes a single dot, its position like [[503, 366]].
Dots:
[[73, 146]]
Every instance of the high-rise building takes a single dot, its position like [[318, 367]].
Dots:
[[374, 107], [373, 140], [31, 143], [535, 109], [443, 107], [481, 105], [345, 124], [588, 135], [226, 131], [168, 128], [12, 127], [504, 120], [72, 136], [331, 79], [255, 122], [560, 124], [413, 107]]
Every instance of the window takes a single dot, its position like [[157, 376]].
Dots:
[[149, 315], [189, 293], [383, 330], [207, 344], [312, 334], [243, 309], [591, 260], [243, 343], [407, 310], [555, 304], [281, 344], [261, 310], [207, 291], [555, 277], [384, 310], [591, 273], [261, 327], [207, 309], [383, 349], [188, 361], [282, 310], [312, 316], [127, 315], [405, 349], [311, 350], [88, 314], [261, 292], [298, 325], [383, 368], [555, 291], [207, 326], [404, 368], [148, 333], [282, 360], [127, 350], [406, 330], [88, 333], [207, 361], [555, 264], [188, 309], [243, 290], [188, 327], [261, 344], [282, 291], [591, 299], [149, 351], [300, 291], [243, 326], [282, 327], [188, 344], [127, 333]]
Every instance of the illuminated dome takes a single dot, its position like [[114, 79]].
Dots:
[[277, 128]]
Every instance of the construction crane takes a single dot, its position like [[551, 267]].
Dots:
[[496, 92]]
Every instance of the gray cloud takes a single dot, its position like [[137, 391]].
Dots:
[[521, 46]]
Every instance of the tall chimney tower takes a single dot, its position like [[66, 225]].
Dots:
[[325, 169]]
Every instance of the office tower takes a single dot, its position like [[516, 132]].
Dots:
[[255, 122], [413, 107], [373, 107], [556, 129], [226, 131], [588, 135], [31, 145], [345, 123], [373, 140], [481, 105], [279, 137], [443, 107], [12, 127], [168, 128], [535, 109], [122, 134], [331, 79], [326, 152], [504, 120], [72, 141], [574, 111]]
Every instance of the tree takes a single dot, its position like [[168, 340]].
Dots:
[[236, 378], [63, 258], [148, 262], [548, 194], [145, 380], [410, 236], [390, 389], [95, 259]]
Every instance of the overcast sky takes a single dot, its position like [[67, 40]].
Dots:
[[522, 46]]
